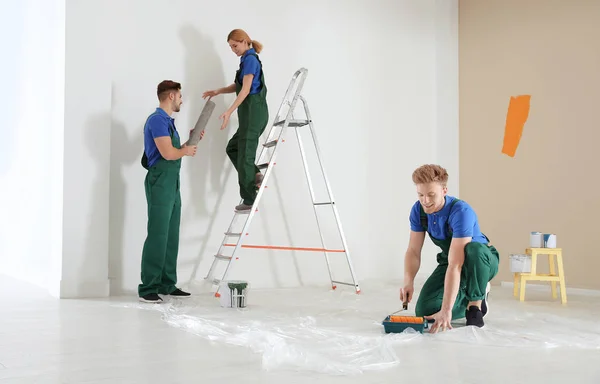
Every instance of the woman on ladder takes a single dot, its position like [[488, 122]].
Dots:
[[253, 114]]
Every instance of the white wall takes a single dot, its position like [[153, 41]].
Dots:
[[412, 117], [383, 94], [86, 151], [446, 81], [32, 34], [380, 93]]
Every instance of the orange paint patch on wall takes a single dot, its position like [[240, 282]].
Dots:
[[518, 112]]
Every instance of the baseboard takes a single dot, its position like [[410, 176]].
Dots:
[[74, 289], [546, 288]]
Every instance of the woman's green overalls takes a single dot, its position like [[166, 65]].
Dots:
[[480, 266], [253, 116], [159, 256]]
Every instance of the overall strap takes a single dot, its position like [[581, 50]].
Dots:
[[144, 159], [237, 74], [257, 58], [448, 229], [171, 129], [423, 217]]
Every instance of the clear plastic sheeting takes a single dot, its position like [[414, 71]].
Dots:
[[301, 329], [529, 330], [298, 343], [340, 333]]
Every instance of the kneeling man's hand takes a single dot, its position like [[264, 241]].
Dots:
[[442, 320]]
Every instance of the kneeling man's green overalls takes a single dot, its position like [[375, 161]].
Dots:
[[480, 266]]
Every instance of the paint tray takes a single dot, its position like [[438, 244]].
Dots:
[[397, 324]]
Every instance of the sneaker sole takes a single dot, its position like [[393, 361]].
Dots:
[[150, 301], [487, 298]]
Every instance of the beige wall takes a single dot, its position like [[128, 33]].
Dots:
[[549, 49]]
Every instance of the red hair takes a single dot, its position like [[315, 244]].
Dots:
[[240, 36], [429, 173]]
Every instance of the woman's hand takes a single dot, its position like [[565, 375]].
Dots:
[[210, 94], [225, 116]]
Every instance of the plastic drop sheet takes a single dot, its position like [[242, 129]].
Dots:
[[300, 330], [340, 333]]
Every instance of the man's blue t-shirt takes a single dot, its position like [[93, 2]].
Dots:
[[250, 65], [157, 125], [462, 218]]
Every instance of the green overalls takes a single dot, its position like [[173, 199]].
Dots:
[[159, 256], [480, 266], [253, 116]]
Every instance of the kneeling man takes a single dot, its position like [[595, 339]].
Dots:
[[459, 285]]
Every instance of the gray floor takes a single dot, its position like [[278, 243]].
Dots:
[[297, 335]]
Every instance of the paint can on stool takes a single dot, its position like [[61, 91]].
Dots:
[[234, 294], [536, 240], [549, 240]]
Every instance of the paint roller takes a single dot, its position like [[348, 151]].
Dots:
[[207, 111], [398, 323]]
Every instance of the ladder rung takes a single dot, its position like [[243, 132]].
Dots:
[[270, 144], [341, 282], [233, 234], [310, 249], [263, 166], [222, 257], [216, 281], [324, 203], [293, 123]]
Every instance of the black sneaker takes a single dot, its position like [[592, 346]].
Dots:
[[179, 293], [474, 316], [151, 298]]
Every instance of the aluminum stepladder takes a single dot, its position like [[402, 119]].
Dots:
[[283, 120]]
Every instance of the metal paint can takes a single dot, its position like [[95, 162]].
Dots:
[[536, 240], [234, 293], [549, 240]]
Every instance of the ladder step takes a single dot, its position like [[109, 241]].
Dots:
[[341, 282], [270, 144], [293, 123], [324, 203], [233, 234], [263, 166], [222, 257]]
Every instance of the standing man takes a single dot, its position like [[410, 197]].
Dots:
[[162, 158], [459, 286]]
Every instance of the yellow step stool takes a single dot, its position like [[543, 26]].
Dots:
[[521, 278]]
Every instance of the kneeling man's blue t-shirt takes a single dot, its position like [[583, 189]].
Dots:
[[461, 217]]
